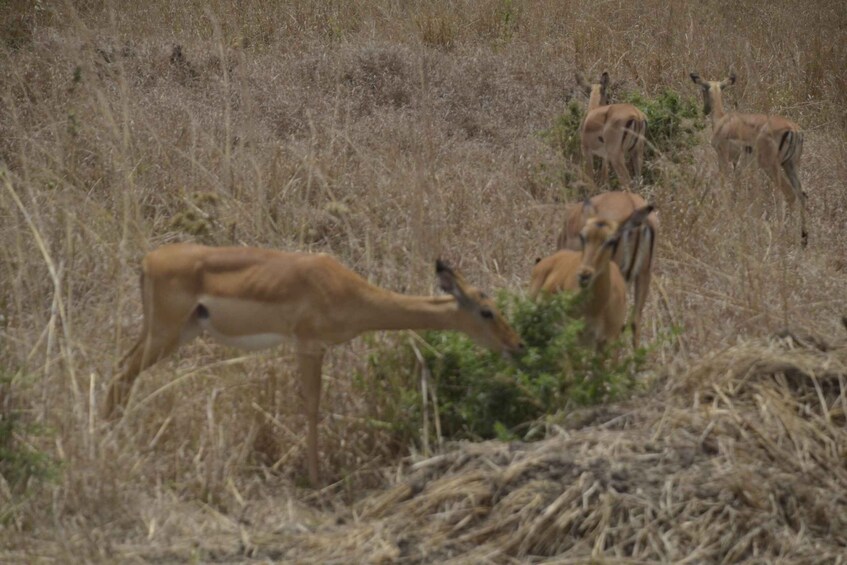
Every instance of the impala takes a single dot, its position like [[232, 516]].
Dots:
[[592, 270], [613, 132], [776, 142], [253, 298], [634, 253]]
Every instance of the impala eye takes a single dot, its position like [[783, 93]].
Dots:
[[486, 313]]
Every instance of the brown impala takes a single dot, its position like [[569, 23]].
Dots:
[[613, 132], [253, 298], [776, 142], [593, 271], [633, 254]]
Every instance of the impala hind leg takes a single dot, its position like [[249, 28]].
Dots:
[[309, 363], [604, 172], [619, 165], [617, 157], [642, 287], [790, 170], [637, 159], [768, 155], [150, 348]]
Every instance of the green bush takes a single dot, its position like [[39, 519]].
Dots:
[[672, 122], [563, 135], [482, 395], [19, 462]]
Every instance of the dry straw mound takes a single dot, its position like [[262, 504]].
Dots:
[[740, 458]]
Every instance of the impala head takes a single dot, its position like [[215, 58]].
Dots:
[[598, 94], [599, 238], [485, 324], [711, 89]]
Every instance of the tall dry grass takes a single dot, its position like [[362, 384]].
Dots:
[[386, 133]]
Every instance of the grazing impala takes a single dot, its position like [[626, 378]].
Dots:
[[776, 142], [594, 271], [613, 132], [253, 298], [634, 253]]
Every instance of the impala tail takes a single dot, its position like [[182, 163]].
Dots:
[[637, 251], [790, 146]]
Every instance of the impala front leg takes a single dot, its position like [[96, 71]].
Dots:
[[588, 165], [309, 362]]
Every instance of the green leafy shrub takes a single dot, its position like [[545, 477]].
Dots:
[[672, 122], [19, 462], [563, 136], [482, 395]]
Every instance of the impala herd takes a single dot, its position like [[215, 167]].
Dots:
[[253, 298]]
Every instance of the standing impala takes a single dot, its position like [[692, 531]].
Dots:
[[254, 298], [613, 132], [776, 141], [592, 270], [633, 254]]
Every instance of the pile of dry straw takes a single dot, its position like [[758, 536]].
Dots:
[[742, 457]]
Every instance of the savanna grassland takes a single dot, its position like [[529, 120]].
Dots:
[[389, 133]]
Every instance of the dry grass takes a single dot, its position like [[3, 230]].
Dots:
[[387, 134]]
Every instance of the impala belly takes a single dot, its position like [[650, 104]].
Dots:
[[243, 324]]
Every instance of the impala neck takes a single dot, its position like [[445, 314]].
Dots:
[[387, 310], [599, 291], [717, 104], [596, 98]]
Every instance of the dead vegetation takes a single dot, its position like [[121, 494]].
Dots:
[[388, 134]]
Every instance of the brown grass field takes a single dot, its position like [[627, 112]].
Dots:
[[389, 133]]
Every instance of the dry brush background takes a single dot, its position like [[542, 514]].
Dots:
[[389, 133]]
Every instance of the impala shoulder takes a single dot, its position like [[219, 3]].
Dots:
[[175, 258], [323, 264]]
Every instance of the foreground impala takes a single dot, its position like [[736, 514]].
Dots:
[[634, 253], [254, 298], [593, 271], [776, 142], [613, 132]]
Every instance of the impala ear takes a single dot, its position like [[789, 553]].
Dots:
[[633, 222], [604, 88], [450, 282], [635, 219], [446, 276], [696, 78], [729, 81]]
